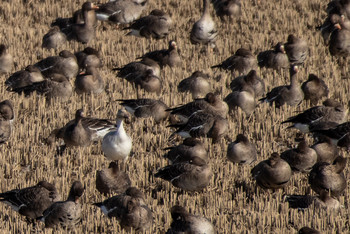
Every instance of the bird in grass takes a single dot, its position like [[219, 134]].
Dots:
[[7, 117]]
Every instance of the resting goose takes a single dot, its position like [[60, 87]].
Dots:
[[89, 57], [89, 81], [54, 38], [276, 59], [297, 49], [197, 84], [241, 151], [23, 78], [314, 89]]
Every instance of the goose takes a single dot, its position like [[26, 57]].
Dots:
[[314, 89], [22, 78], [134, 69], [252, 79], [184, 222], [192, 175], [116, 145], [89, 57], [145, 108], [322, 201], [65, 64], [89, 81], [273, 173], [243, 98], [276, 59], [7, 117], [241, 151], [230, 8], [197, 84], [169, 57], [242, 61], [54, 38], [65, 24], [129, 208], [297, 49], [157, 24], [325, 149], [6, 59], [191, 147], [66, 213], [31, 201], [339, 44], [121, 11], [287, 94], [328, 177], [112, 180], [149, 82], [302, 158], [339, 134], [307, 230], [330, 111]]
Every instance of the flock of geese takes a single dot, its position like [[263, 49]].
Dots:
[[206, 116]]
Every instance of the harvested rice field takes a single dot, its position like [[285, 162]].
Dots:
[[232, 201]]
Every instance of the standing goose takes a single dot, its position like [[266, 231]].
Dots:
[[89, 57], [31, 201], [273, 173], [7, 117], [287, 94], [297, 50], [276, 59], [230, 8], [204, 30], [6, 59], [67, 213], [252, 79], [116, 145], [89, 81], [184, 222], [28, 76], [197, 84], [54, 38], [241, 150], [144, 108], [192, 175], [314, 89]]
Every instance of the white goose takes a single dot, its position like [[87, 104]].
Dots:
[[116, 145]]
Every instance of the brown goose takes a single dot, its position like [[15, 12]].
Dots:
[[273, 173], [191, 147], [54, 38], [28, 76], [328, 177], [287, 94], [112, 180], [322, 201], [241, 150], [197, 84], [31, 201], [157, 24], [297, 50], [276, 59], [149, 82], [129, 209], [251, 79], [243, 98], [184, 222], [307, 230], [325, 149], [192, 175], [230, 8], [134, 69], [6, 59], [242, 61], [339, 44], [204, 30], [67, 213], [314, 89], [89, 57], [169, 57], [7, 117], [302, 158], [89, 81], [144, 108]]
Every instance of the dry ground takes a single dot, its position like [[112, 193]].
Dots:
[[230, 201]]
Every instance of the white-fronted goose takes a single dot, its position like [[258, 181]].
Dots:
[[297, 49], [339, 44], [65, 24], [325, 149], [307, 230], [54, 38], [67, 213], [85, 32], [129, 209], [273, 173], [276, 59], [165, 57], [204, 30], [116, 145], [7, 117], [89, 81], [197, 84], [31, 201], [184, 222], [328, 26], [302, 158], [328, 177], [242, 61], [287, 94], [241, 150], [331, 111], [149, 82], [322, 201], [314, 89], [192, 175], [22, 78], [251, 79], [144, 108], [340, 134], [157, 24], [243, 98], [112, 180], [65, 64], [191, 147], [121, 11], [230, 8], [6, 60], [133, 69], [211, 103], [89, 57]]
